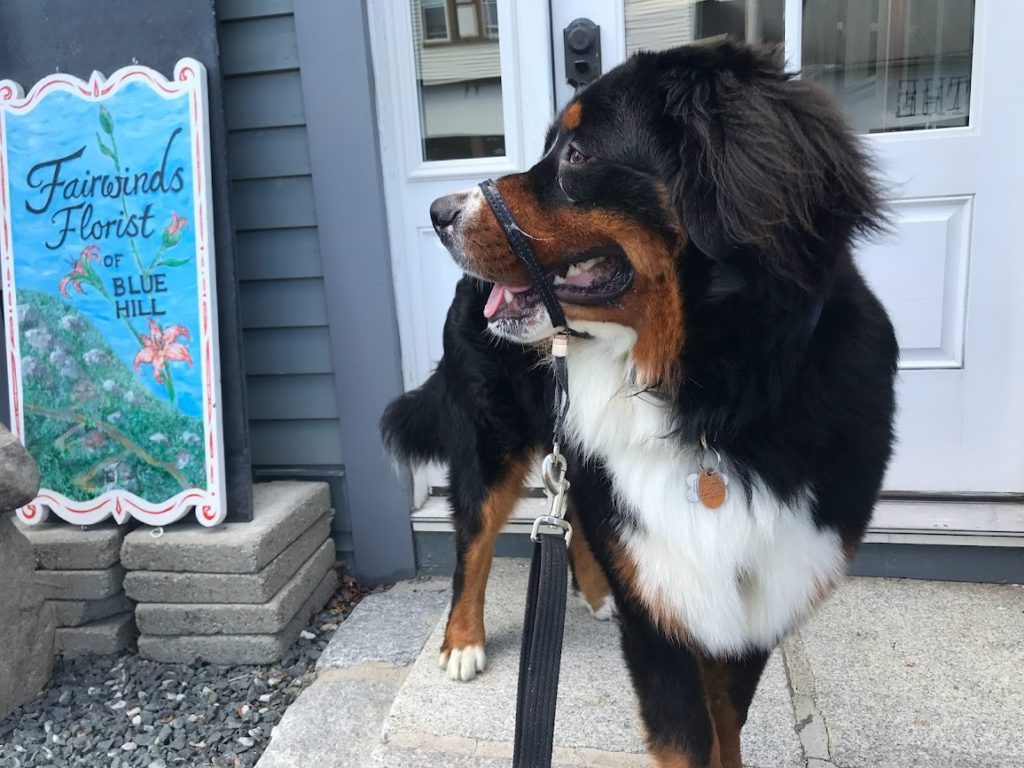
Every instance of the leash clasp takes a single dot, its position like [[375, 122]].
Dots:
[[556, 487], [557, 523], [555, 467]]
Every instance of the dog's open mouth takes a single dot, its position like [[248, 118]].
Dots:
[[596, 276]]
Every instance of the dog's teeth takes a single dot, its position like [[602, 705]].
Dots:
[[573, 270], [559, 280], [591, 263], [509, 296]]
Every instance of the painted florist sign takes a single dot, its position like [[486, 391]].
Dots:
[[109, 300]]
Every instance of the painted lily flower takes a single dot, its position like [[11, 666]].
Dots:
[[81, 271], [160, 346], [172, 233]]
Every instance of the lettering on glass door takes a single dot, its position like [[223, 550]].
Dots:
[[894, 65]]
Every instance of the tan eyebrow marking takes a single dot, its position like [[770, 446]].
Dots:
[[572, 116]]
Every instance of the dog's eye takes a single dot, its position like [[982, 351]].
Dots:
[[576, 157]]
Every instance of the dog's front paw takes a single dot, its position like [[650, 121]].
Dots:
[[463, 663], [602, 610]]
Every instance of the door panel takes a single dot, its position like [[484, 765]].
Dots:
[[921, 277]]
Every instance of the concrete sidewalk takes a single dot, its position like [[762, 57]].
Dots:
[[889, 673]]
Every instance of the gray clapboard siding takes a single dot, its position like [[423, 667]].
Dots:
[[292, 394], [287, 351], [283, 303], [257, 45], [268, 152], [265, 44], [271, 398], [278, 254], [248, 9], [263, 101], [306, 441], [273, 203]]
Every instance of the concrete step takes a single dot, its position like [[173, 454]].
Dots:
[[596, 705], [889, 673]]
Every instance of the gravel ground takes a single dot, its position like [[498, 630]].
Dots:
[[122, 711]]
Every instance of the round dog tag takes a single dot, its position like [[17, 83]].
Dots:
[[711, 488]]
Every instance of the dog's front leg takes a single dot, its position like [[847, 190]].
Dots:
[[668, 680], [479, 514], [730, 685]]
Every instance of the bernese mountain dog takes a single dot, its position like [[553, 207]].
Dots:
[[731, 412]]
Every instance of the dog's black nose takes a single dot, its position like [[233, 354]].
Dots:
[[445, 210]]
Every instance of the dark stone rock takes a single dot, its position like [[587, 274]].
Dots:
[[26, 621], [19, 475]]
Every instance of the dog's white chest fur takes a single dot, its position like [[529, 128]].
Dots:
[[736, 577]]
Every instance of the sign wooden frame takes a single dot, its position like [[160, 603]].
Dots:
[[157, 348]]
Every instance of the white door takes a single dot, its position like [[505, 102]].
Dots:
[[930, 84], [464, 92]]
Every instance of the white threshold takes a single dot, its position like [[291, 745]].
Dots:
[[963, 523]]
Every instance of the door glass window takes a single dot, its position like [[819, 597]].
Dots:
[[654, 25], [458, 71], [894, 65]]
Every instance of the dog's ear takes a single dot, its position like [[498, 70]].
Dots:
[[767, 165]]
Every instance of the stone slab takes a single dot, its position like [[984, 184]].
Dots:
[[389, 627], [104, 636], [237, 649], [335, 722], [26, 622], [80, 585], [596, 704], [237, 618], [61, 546], [281, 511], [259, 587], [74, 613], [919, 673]]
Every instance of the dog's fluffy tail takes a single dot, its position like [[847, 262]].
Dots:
[[412, 426]]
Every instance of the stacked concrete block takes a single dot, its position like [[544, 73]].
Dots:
[[78, 571], [239, 593]]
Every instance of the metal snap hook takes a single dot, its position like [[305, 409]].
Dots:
[[553, 471]]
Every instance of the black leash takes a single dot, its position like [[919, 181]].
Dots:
[[540, 658]]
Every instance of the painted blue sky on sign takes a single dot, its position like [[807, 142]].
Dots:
[[143, 124]]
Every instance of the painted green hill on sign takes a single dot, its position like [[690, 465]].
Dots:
[[90, 423]]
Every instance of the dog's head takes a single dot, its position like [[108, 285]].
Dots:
[[702, 152]]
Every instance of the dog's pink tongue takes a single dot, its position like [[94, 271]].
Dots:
[[497, 297]]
